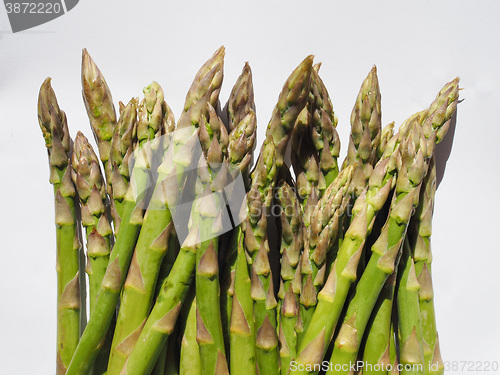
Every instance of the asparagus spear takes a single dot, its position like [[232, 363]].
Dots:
[[315, 146], [332, 297], [214, 139], [133, 209], [190, 361], [380, 337], [174, 288], [241, 100], [101, 112], [123, 144], [421, 251], [130, 226], [100, 108], [363, 143], [386, 250], [409, 325], [70, 311], [435, 123], [162, 318], [292, 100], [241, 145], [242, 328], [90, 185], [241, 114], [168, 361], [152, 243], [89, 182], [365, 131], [320, 238], [292, 244]]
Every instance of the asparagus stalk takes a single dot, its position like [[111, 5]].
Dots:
[[435, 123], [174, 288], [133, 210], [70, 310], [243, 126], [409, 325], [417, 274], [123, 143], [241, 116], [152, 243], [161, 320], [363, 143], [315, 146], [241, 144], [130, 226], [242, 329], [214, 139], [90, 185], [334, 293], [421, 251], [386, 250], [89, 182], [240, 313], [168, 360], [190, 361], [320, 238], [292, 100], [101, 112], [315, 149], [380, 337], [100, 109], [292, 244]]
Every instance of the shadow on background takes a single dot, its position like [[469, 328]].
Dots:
[[443, 150]]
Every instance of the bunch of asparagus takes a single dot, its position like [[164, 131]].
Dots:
[[188, 276]]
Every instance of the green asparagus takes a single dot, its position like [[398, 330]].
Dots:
[[241, 116], [421, 251], [151, 244], [291, 101], [100, 108], [161, 321], [386, 250], [70, 310], [123, 143]]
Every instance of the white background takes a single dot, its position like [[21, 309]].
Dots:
[[417, 47]]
